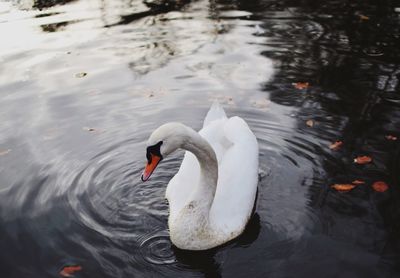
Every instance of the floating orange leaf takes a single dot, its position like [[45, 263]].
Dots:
[[344, 187], [336, 145], [363, 17], [301, 85], [310, 123], [362, 159], [358, 182], [391, 137], [69, 271], [380, 186]]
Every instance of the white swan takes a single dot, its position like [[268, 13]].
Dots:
[[211, 198]]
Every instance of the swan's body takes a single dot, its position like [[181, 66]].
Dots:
[[212, 196]]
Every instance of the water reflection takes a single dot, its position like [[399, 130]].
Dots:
[[70, 188], [55, 27], [154, 8], [345, 65], [42, 4]]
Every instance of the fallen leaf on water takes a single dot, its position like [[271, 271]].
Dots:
[[391, 137], [362, 159], [89, 129], [4, 152], [363, 17], [336, 145], [310, 123], [344, 187], [69, 271], [358, 182], [222, 99], [261, 103], [380, 186], [301, 85], [80, 74], [230, 101]]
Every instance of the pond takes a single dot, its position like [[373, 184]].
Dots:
[[84, 83]]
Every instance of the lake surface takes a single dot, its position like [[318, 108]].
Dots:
[[84, 83]]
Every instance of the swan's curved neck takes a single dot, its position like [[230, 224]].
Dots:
[[191, 223], [203, 195]]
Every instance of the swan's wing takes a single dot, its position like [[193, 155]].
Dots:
[[216, 112], [182, 184], [238, 178], [186, 179]]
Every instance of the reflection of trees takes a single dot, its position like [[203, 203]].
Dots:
[[159, 54], [41, 4], [157, 37], [156, 48], [350, 54], [147, 35], [54, 27], [155, 8]]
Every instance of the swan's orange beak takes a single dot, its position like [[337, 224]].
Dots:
[[150, 166]]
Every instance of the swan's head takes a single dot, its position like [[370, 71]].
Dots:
[[163, 141]]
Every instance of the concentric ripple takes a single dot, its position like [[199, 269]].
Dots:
[[109, 197], [156, 248]]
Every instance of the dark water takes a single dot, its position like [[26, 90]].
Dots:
[[72, 145]]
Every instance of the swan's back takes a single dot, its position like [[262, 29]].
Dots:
[[237, 178], [215, 113]]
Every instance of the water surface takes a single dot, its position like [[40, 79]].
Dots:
[[84, 83]]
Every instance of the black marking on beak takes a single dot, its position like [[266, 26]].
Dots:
[[155, 150]]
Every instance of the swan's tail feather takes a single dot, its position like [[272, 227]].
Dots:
[[216, 112]]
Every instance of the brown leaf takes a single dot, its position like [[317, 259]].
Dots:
[[362, 159], [69, 271], [301, 85], [391, 137], [358, 182], [363, 17], [344, 187], [310, 123], [380, 186], [262, 103], [336, 145], [4, 152], [80, 74]]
